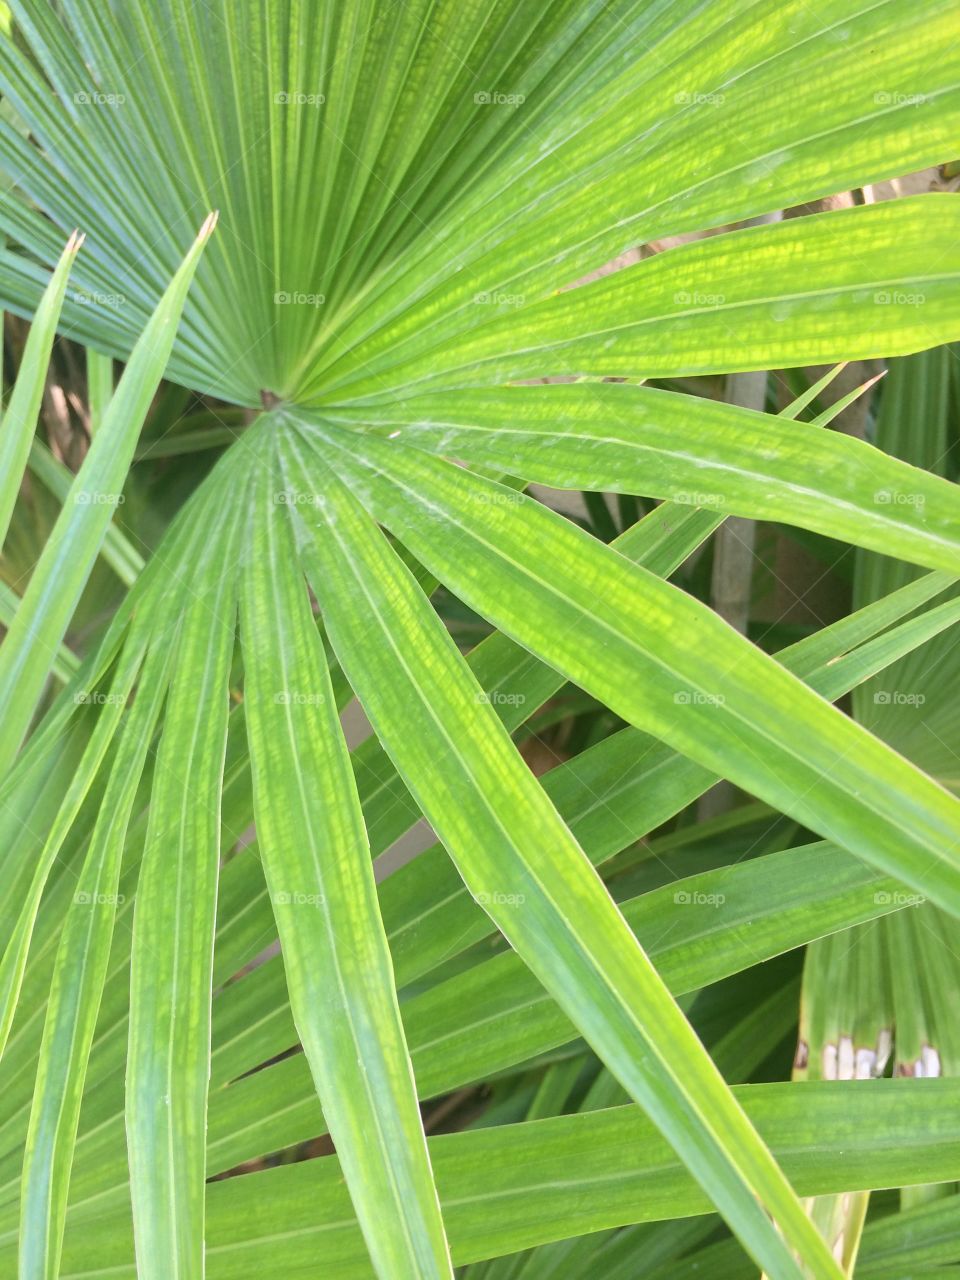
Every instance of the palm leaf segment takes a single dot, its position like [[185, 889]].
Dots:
[[405, 192]]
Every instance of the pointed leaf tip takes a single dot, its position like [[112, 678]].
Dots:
[[209, 224]]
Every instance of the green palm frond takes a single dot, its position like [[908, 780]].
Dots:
[[409, 198]]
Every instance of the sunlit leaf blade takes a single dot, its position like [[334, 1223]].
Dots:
[[318, 870], [659, 658], [609, 795], [519, 860], [698, 131], [66, 662], [871, 281], [20, 417], [739, 1041], [833, 677], [14, 959], [412, 197], [155, 587], [636, 121], [77, 988], [704, 453], [515, 682], [497, 1015], [99, 386], [515, 1186], [117, 550], [528, 1185], [500, 1015], [29, 648], [247, 915], [886, 995], [168, 1059]]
